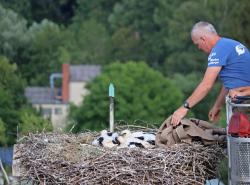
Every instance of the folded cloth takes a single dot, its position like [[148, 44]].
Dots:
[[187, 131]]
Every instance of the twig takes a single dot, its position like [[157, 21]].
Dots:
[[4, 172]]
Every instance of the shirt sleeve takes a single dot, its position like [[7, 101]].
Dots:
[[218, 56]]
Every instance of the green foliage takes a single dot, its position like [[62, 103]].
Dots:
[[12, 33], [21, 7], [11, 98], [138, 18], [182, 58], [236, 22], [223, 170], [31, 122], [184, 63], [98, 10], [60, 11], [14, 110], [11, 82], [8, 113], [3, 139], [126, 13], [91, 43], [126, 45], [42, 56], [223, 118], [141, 94]]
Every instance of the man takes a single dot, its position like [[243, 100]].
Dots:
[[241, 91], [228, 59]]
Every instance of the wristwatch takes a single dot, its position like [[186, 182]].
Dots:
[[186, 105]]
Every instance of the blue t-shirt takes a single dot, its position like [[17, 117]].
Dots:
[[234, 58]]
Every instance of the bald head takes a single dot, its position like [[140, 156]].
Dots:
[[203, 27]]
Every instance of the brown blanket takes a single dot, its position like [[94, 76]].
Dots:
[[189, 130]]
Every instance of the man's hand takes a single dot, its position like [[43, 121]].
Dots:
[[178, 115], [234, 93], [214, 114]]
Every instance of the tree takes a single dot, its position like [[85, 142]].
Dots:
[[91, 43], [9, 116], [43, 54], [12, 33], [11, 98], [98, 10], [60, 11], [31, 122], [14, 109], [126, 45], [3, 138], [139, 18], [11, 82], [235, 23], [141, 94]]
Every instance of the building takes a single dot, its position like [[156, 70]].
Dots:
[[53, 102]]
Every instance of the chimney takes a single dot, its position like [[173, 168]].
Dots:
[[65, 83]]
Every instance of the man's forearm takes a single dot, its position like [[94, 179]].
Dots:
[[199, 93], [205, 86], [221, 97]]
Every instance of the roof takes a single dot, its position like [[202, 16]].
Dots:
[[84, 72], [40, 95]]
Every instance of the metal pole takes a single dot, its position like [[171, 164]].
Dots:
[[111, 114], [229, 114], [111, 107]]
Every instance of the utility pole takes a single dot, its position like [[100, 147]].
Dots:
[[111, 107]]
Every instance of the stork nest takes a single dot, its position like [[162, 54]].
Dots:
[[50, 158]]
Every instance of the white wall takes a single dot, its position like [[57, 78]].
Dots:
[[76, 92]]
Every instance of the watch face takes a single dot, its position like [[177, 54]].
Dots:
[[186, 105]]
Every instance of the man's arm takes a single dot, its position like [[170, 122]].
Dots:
[[214, 113], [199, 93], [205, 86]]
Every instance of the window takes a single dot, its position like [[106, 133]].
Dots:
[[58, 111], [46, 112]]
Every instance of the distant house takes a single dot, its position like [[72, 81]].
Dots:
[[53, 102]]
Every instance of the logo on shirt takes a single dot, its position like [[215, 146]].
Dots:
[[240, 49], [212, 60]]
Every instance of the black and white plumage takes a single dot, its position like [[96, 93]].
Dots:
[[145, 136], [125, 140], [107, 139], [136, 139]]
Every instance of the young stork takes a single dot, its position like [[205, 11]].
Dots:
[[106, 139], [145, 136], [136, 139]]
